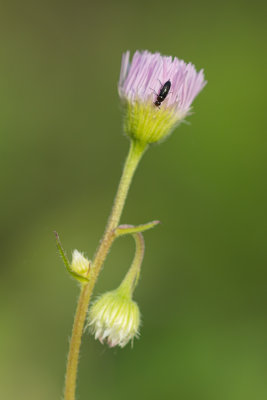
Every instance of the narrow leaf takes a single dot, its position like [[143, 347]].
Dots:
[[130, 229]]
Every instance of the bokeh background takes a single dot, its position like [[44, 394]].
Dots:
[[203, 292]]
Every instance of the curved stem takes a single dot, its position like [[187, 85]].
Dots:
[[137, 149], [132, 276]]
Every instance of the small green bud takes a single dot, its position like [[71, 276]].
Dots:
[[80, 264], [115, 318]]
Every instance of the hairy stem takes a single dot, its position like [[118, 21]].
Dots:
[[136, 151], [132, 276]]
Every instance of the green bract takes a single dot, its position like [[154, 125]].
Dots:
[[147, 123]]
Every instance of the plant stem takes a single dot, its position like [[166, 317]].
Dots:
[[75, 343], [131, 278], [136, 151]]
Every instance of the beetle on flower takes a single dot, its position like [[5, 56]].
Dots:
[[140, 80]]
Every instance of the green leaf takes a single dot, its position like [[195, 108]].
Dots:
[[130, 229]]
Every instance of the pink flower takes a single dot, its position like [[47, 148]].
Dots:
[[141, 81]]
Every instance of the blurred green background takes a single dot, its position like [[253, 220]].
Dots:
[[203, 290]]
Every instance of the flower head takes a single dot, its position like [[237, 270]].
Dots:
[[148, 117], [114, 318], [79, 263]]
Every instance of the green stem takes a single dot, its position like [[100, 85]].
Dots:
[[73, 357], [132, 276], [137, 149]]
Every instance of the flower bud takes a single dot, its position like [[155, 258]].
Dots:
[[79, 263], [114, 318], [157, 92]]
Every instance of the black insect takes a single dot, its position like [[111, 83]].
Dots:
[[163, 93]]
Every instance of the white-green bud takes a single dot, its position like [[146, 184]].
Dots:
[[114, 318]]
